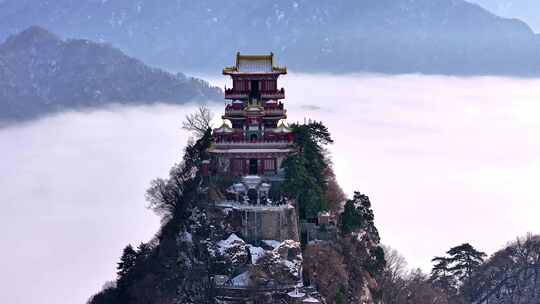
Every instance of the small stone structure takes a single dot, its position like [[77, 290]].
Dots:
[[267, 223], [254, 216]]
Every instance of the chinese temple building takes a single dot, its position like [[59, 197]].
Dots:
[[246, 156], [253, 139]]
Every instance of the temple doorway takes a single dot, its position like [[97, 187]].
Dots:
[[255, 89], [253, 167]]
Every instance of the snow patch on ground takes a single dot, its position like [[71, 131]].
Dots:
[[241, 280], [272, 243], [256, 253], [231, 241]]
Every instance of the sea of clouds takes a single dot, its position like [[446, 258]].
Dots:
[[445, 160]]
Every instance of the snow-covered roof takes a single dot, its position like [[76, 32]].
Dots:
[[224, 128], [248, 65], [240, 206], [251, 181], [254, 108], [310, 300], [282, 128], [296, 294], [254, 64]]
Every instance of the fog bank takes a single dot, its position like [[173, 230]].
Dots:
[[444, 160]]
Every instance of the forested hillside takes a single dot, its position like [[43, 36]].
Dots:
[[41, 73]]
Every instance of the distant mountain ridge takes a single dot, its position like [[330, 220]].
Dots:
[[527, 10], [388, 36], [41, 73]]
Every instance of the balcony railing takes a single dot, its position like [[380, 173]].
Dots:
[[252, 144], [235, 94], [274, 94], [275, 112], [234, 112], [266, 112]]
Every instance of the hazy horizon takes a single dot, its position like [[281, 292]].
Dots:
[[445, 160]]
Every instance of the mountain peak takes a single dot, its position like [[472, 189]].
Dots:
[[32, 36], [47, 74]]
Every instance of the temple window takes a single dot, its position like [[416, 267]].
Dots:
[[270, 164]]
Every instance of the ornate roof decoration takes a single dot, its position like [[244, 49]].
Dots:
[[254, 64], [224, 128], [282, 128]]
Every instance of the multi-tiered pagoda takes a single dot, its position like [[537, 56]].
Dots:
[[255, 141]]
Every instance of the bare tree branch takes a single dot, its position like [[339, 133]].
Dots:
[[198, 122]]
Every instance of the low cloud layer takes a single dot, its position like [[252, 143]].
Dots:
[[445, 160]]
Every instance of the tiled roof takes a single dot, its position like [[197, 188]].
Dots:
[[254, 64], [246, 65]]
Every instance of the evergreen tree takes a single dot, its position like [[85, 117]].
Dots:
[[453, 272], [305, 172], [350, 218], [358, 214], [127, 262], [441, 277], [340, 298], [464, 260]]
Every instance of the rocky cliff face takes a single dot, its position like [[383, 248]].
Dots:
[[41, 73], [200, 254]]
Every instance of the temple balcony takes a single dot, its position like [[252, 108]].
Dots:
[[275, 112], [282, 144], [231, 112], [280, 94], [234, 112], [236, 94]]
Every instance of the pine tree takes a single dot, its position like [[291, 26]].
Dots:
[[305, 172], [452, 273], [359, 215], [350, 218], [441, 277], [464, 260], [127, 261]]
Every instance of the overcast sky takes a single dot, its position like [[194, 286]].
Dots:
[[445, 160]]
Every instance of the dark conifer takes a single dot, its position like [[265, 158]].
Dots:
[[127, 261], [305, 172], [464, 260]]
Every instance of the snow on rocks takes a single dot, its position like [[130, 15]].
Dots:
[[235, 249], [272, 243], [242, 280], [280, 266], [256, 253]]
